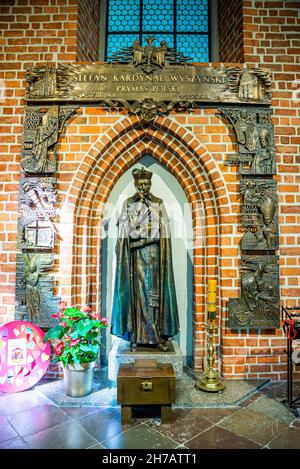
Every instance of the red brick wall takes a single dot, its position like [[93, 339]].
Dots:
[[31, 31], [272, 40], [88, 30], [97, 146], [230, 28], [271, 34]]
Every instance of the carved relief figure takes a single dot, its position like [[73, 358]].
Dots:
[[246, 129], [144, 307], [34, 288], [258, 305], [248, 87], [31, 281], [266, 236], [42, 81], [264, 160], [43, 138], [259, 215]]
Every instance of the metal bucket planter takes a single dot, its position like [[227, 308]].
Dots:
[[78, 379]]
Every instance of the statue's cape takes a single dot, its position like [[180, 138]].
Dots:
[[123, 303]]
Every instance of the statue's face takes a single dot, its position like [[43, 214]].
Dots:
[[267, 220], [143, 187], [263, 141]]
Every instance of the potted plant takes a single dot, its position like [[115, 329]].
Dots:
[[75, 341]]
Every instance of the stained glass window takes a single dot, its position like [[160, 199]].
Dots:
[[183, 24]]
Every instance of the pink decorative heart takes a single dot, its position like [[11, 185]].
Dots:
[[30, 359], [22, 328], [16, 332], [32, 380], [36, 353], [44, 357], [19, 381]]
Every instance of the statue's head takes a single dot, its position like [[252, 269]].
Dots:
[[264, 137], [142, 181], [268, 210]]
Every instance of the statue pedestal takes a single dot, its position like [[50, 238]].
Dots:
[[120, 353]]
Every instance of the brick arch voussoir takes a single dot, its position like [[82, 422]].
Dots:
[[162, 155], [131, 130]]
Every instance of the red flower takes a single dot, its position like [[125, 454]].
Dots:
[[56, 315], [63, 324], [104, 321], [58, 349], [86, 309], [74, 342]]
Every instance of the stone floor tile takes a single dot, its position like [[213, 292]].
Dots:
[[214, 414], [278, 390], [14, 443], [273, 409], [69, 435], [6, 430], [288, 439], [18, 401], [37, 419], [104, 424], [186, 423], [140, 437], [220, 438], [78, 412], [253, 425]]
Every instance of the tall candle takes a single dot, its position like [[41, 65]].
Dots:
[[211, 299]]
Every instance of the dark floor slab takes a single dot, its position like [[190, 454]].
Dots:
[[103, 424], [18, 401], [6, 430], [220, 438], [37, 419], [186, 423], [140, 437], [278, 390], [69, 435], [288, 439], [215, 415], [250, 400], [14, 443], [253, 425]]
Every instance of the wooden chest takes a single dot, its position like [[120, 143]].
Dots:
[[147, 386]]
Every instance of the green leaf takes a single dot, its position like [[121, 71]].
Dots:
[[74, 313], [55, 332], [84, 326]]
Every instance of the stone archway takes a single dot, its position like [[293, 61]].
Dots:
[[196, 171]]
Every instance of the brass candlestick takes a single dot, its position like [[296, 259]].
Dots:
[[211, 381]]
